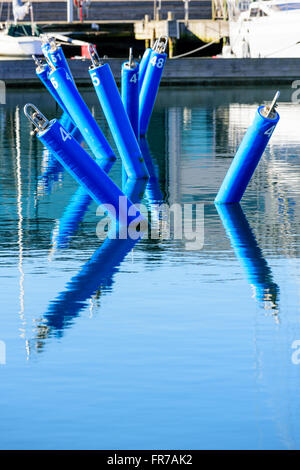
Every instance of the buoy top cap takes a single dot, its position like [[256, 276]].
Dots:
[[40, 66], [269, 111], [96, 61], [36, 117], [160, 44]]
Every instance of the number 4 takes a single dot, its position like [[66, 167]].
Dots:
[[270, 131], [134, 78], [64, 134]]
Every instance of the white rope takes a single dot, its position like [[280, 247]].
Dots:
[[283, 49], [196, 50]]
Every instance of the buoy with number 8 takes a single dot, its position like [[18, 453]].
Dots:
[[151, 83]]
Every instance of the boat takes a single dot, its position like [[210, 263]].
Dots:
[[263, 29], [20, 40]]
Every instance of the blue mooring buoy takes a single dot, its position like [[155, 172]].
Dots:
[[130, 83], [151, 83], [57, 57], [83, 118], [144, 64], [116, 116], [248, 154], [45, 48], [42, 71], [84, 169]]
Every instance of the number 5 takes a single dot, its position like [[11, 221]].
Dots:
[[95, 79]]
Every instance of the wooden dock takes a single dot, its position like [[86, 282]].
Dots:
[[186, 71]]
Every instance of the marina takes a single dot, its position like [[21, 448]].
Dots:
[[198, 343], [149, 228]]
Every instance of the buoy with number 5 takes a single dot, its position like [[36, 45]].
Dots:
[[116, 116]]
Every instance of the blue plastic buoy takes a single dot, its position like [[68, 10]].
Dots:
[[117, 118], [45, 48], [248, 154], [42, 71], [143, 65], [130, 92], [57, 57], [66, 122], [83, 118], [151, 83], [84, 169]]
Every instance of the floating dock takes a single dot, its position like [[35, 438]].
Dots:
[[185, 71]]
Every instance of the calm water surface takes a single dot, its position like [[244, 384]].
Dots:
[[155, 347]]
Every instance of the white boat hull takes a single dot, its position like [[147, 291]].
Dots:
[[21, 46], [274, 34]]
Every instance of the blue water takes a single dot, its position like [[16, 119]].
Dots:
[[155, 347]]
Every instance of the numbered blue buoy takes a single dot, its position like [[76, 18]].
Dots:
[[248, 154], [45, 48], [84, 169], [83, 118], [67, 122], [57, 57], [130, 92], [151, 82], [42, 71], [117, 118], [143, 65]]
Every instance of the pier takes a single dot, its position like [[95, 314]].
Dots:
[[186, 71]]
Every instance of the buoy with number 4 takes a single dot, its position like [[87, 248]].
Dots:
[[249, 154], [130, 83], [84, 169]]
